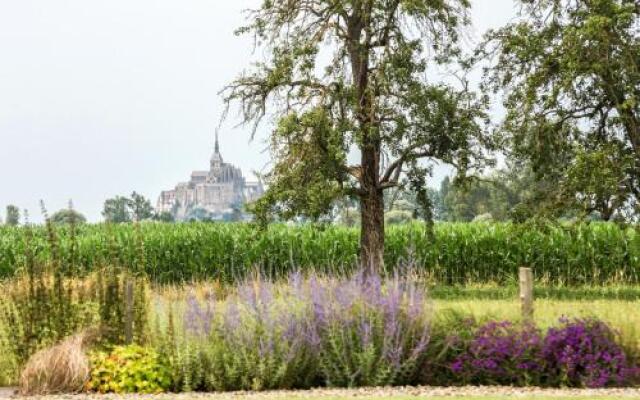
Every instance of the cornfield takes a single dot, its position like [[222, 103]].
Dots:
[[458, 253]]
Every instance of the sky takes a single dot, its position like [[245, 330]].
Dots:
[[101, 98]]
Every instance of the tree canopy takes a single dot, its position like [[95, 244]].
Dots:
[[68, 216], [12, 217], [352, 76], [569, 70], [141, 208], [126, 209]]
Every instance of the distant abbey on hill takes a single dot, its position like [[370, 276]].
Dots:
[[216, 194]]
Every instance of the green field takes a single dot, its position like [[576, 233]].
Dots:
[[458, 253]]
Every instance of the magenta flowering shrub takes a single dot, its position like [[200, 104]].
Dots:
[[584, 353], [578, 353], [501, 353]]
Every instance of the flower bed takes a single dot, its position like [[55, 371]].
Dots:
[[370, 331], [358, 331]]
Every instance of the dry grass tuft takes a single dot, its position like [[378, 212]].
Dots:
[[63, 368]]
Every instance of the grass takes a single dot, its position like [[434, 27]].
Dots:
[[541, 291], [619, 313], [63, 368]]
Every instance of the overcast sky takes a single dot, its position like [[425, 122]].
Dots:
[[99, 98]]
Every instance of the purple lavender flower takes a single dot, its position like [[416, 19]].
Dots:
[[198, 319], [365, 333], [231, 316], [318, 300]]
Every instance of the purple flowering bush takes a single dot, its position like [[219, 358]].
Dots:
[[366, 330], [255, 339], [369, 331], [501, 353], [578, 353], [451, 332], [585, 353], [357, 331]]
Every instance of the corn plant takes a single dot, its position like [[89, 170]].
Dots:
[[457, 253]]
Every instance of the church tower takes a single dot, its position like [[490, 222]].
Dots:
[[216, 164], [216, 158]]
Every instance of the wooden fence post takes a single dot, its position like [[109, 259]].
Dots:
[[526, 293]]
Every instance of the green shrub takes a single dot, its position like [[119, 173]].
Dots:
[[49, 299], [128, 369]]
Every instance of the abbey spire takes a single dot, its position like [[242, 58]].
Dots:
[[216, 158]]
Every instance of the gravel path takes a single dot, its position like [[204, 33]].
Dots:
[[366, 392], [6, 392]]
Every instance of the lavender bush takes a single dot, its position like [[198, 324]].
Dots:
[[369, 332], [252, 340], [356, 331]]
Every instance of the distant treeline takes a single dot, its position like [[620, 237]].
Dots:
[[457, 253]]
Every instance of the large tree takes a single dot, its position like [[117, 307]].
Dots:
[[570, 74], [140, 206], [596, 183], [117, 210], [12, 215], [345, 77], [68, 216], [126, 209]]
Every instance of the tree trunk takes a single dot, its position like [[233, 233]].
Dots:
[[372, 213], [371, 199]]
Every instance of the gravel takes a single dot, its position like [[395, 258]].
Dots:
[[362, 393]]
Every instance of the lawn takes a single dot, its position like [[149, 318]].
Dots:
[[622, 314]]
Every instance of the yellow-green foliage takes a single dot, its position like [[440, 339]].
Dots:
[[459, 252], [33, 318], [38, 312], [8, 360], [128, 369]]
